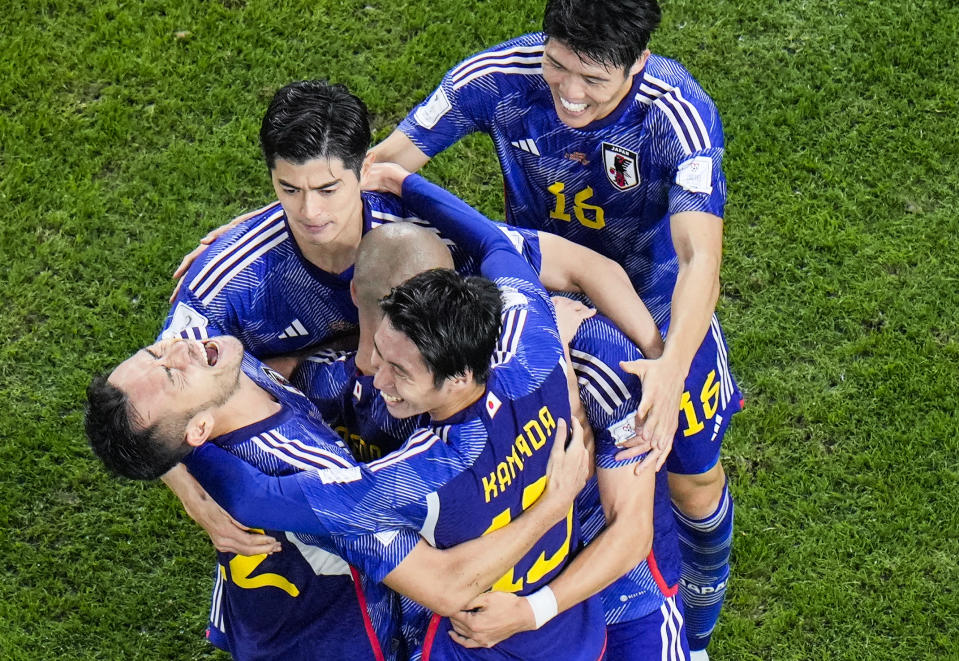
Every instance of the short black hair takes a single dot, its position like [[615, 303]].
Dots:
[[609, 32], [313, 119], [453, 320], [119, 439]]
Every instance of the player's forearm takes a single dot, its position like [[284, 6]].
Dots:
[[398, 148], [472, 567], [620, 546], [613, 295], [693, 303]]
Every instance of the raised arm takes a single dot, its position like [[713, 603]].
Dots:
[[398, 148], [568, 266]]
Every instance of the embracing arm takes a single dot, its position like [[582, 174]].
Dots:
[[627, 500], [446, 580], [697, 237], [397, 148], [227, 534], [568, 266]]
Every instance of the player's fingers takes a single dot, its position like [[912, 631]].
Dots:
[[176, 290], [635, 367], [187, 260], [629, 453], [463, 640]]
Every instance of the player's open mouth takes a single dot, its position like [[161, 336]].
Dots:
[[390, 399], [569, 106], [212, 353]]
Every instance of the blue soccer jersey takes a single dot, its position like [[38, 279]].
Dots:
[[254, 283], [610, 185], [468, 475], [306, 601], [352, 406], [610, 396]]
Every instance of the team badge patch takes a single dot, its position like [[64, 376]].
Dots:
[[357, 391], [620, 166], [279, 379]]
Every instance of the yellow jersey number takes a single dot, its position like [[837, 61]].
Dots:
[[543, 565], [243, 566], [588, 215], [708, 398]]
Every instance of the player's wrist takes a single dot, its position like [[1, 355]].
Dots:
[[544, 606]]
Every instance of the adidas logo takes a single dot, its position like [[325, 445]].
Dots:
[[526, 145], [296, 329]]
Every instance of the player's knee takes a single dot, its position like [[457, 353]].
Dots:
[[697, 496]]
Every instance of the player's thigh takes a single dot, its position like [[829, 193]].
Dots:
[[709, 400]]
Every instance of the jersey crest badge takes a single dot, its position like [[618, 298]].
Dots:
[[492, 405], [280, 380], [620, 166]]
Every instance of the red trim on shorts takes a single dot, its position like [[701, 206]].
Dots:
[[367, 623], [430, 636], [602, 652], [660, 581]]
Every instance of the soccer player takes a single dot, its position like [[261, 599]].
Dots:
[[279, 281], [433, 353], [304, 601], [619, 150], [632, 553]]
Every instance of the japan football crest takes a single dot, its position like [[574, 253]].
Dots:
[[620, 166]]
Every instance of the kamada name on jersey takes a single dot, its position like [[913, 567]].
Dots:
[[536, 432]]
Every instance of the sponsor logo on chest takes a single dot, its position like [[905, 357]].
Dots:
[[620, 165]]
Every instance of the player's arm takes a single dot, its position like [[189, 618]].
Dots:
[[398, 148], [626, 540], [443, 580], [227, 534], [697, 237], [446, 580], [568, 266]]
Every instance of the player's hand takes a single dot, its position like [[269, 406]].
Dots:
[[570, 315], [567, 469], [491, 618], [205, 242], [228, 534], [384, 177], [658, 414]]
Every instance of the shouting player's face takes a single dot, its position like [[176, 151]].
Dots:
[[322, 202], [172, 378], [403, 379], [584, 90]]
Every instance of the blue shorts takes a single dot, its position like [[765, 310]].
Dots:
[[659, 635], [710, 399]]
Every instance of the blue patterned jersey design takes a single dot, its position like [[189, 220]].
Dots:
[[305, 600], [352, 406], [470, 474], [611, 396], [611, 185], [254, 283]]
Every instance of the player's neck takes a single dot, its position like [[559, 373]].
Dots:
[[249, 404], [458, 400]]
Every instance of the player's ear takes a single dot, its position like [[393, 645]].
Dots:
[[368, 161], [638, 64], [199, 428], [353, 293]]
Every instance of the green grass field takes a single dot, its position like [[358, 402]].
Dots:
[[128, 129]]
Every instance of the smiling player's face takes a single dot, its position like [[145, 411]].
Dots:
[[174, 377], [584, 91]]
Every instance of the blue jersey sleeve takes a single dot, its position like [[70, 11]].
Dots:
[[467, 97], [468, 228]]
